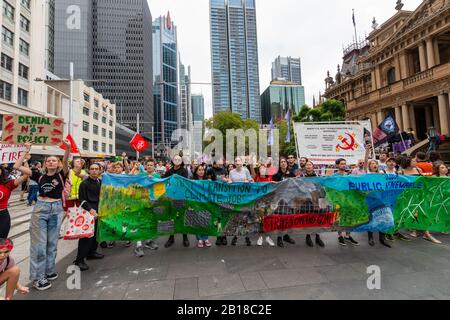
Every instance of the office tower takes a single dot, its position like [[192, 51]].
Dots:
[[111, 43], [279, 98], [234, 57], [165, 79], [185, 98], [287, 68], [198, 107]]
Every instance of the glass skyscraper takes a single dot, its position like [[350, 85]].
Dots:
[[279, 98], [287, 68], [234, 58], [198, 107], [165, 79], [112, 45], [185, 97]]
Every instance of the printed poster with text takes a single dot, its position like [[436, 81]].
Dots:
[[324, 143]]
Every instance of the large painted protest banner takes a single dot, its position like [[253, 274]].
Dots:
[[35, 129], [136, 208], [324, 143]]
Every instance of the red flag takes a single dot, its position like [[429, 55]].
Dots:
[[139, 143], [73, 145]]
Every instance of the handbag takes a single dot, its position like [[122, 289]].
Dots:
[[79, 224]]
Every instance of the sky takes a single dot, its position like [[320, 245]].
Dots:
[[316, 31]]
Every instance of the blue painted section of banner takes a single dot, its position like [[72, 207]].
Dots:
[[180, 188], [125, 181]]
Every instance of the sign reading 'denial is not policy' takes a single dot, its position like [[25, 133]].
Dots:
[[35, 129]]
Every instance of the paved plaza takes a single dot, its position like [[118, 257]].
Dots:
[[411, 270]]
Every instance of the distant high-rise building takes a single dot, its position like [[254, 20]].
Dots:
[[165, 79], [185, 98], [234, 57], [279, 98], [198, 107], [287, 68], [73, 43], [113, 45]]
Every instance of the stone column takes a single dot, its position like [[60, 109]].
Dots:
[[430, 53], [405, 117], [398, 118], [398, 75], [404, 72], [374, 80], [428, 120], [443, 113], [437, 56], [412, 119], [436, 122], [373, 119], [379, 117], [422, 57], [378, 77]]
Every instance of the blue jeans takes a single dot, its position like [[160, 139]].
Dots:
[[202, 238], [44, 231], [33, 194]]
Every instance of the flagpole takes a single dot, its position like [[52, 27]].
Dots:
[[138, 131]]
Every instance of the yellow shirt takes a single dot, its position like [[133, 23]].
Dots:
[[76, 182]]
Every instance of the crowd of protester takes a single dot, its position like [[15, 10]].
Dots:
[[54, 186]]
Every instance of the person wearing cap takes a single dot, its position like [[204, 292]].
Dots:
[[9, 271]]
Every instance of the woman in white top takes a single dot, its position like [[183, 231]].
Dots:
[[240, 175]]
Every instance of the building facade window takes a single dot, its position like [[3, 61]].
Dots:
[[7, 62], [24, 24], [85, 126], [26, 3], [86, 144], [86, 111], [22, 97], [95, 129], [86, 97], [104, 120], [95, 116], [5, 90], [24, 47], [23, 71], [391, 76], [110, 134], [96, 103], [110, 149], [95, 146], [8, 10], [110, 123], [104, 147], [103, 132], [7, 36], [104, 109]]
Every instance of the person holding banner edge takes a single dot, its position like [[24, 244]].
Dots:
[[7, 186]]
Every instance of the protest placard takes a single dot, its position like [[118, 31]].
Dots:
[[10, 153], [35, 129]]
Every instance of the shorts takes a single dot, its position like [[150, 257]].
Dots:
[[70, 204]]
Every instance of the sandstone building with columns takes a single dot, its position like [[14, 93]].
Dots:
[[402, 68]]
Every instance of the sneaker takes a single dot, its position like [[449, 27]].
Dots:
[[389, 237], [234, 241], [82, 265], [42, 285], [342, 241], [186, 242], [248, 242], [128, 244], [319, 241], [219, 241], [111, 244], [270, 241], [208, 244], [104, 245], [352, 241], [224, 241], [52, 277], [260, 241], [151, 245], [413, 234], [201, 244], [400, 236], [288, 239], [139, 252], [280, 242], [309, 241], [432, 239], [170, 242]]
